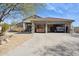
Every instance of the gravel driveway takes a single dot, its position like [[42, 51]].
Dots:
[[48, 44]]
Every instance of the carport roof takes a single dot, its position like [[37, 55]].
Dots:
[[38, 18]]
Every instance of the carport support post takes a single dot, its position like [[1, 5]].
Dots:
[[46, 28], [23, 26], [65, 28], [33, 27]]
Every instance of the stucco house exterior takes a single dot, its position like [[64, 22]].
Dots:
[[37, 24]]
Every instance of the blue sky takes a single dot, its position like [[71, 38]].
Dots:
[[61, 10], [58, 10]]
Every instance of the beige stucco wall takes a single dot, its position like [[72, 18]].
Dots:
[[69, 26], [66, 23]]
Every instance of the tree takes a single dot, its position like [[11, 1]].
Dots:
[[7, 9], [14, 22]]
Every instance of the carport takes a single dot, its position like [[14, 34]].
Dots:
[[35, 24]]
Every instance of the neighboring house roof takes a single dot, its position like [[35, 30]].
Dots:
[[20, 24], [38, 18]]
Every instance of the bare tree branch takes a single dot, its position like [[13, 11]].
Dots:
[[6, 11], [8, 8]]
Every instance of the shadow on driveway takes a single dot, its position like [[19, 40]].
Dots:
[[23, 33]]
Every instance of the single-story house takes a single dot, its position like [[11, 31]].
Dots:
[[37, 24]]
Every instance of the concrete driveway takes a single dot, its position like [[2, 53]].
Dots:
[[51, 44]]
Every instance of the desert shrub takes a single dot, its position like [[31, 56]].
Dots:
[[5, 27]]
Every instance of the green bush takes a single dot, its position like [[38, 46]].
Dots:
[[5, 27]]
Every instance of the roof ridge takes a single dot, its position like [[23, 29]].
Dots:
[[34, 16]]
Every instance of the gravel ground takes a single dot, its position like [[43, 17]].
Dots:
[[48, 44]]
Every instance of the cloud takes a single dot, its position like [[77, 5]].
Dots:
[[54, 8], [50, 7]]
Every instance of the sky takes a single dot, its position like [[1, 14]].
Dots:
[[57, 10]]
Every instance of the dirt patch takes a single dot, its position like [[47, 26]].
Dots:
[[15, 40]]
